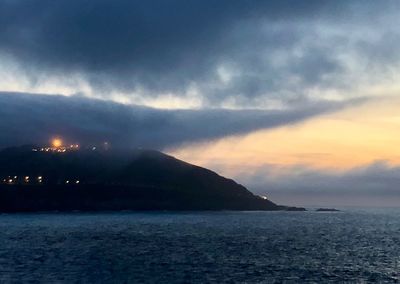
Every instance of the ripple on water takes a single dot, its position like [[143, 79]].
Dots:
[[201, 247]]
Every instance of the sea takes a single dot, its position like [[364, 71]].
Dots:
[[351, 246]]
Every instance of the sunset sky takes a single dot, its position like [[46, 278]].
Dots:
[[297, 100]]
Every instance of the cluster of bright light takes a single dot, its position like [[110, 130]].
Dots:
[[69, 182], [57, 145], [25, 179], [10, 179], [61, 149]]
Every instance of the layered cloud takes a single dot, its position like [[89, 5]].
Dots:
[[376, 184], [251, 53], [27, 118]]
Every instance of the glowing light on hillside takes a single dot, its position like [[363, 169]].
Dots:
[[56, 142]]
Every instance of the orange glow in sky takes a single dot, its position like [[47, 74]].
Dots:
[[343, 140]]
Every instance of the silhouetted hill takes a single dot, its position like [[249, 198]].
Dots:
[[92, 179]]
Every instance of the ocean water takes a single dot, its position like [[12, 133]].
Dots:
[[222, 247]]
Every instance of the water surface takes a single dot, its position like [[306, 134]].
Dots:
[[253, 247]]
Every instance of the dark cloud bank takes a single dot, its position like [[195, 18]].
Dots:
[[27, 118], [140, 38], [276, 47]]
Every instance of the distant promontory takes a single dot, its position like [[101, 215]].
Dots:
[[98, 178]]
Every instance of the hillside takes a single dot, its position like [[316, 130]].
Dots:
[[91, 179]]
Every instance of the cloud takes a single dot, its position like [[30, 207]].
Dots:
[[376, 184], [236, 53], [285, 54], [27, 118]]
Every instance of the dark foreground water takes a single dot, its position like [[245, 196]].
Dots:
[[252, 247]]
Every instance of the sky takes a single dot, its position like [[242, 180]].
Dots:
[[296, 100]]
